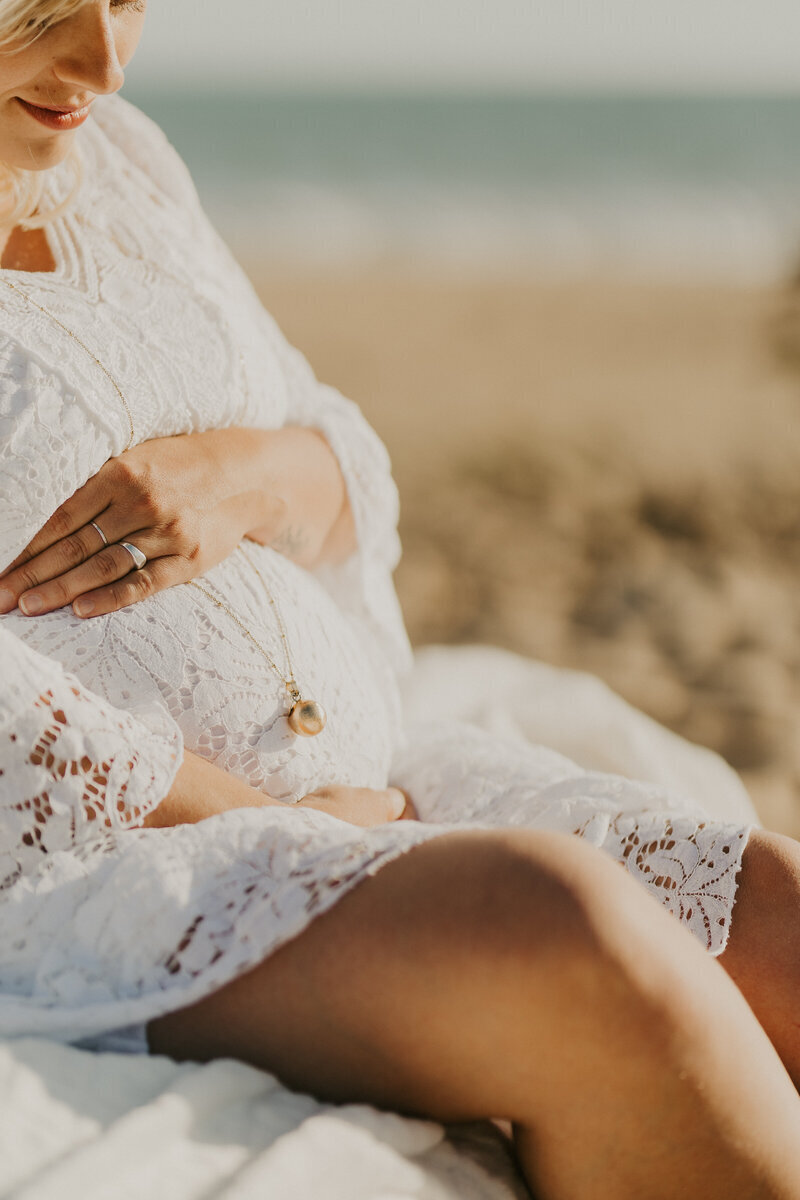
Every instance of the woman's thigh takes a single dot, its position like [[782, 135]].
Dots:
[[384, 997], [456, 981]]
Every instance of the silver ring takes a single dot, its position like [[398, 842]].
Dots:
[[94, 525], [139, 559]]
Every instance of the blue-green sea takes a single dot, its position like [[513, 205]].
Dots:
[[705, 185]]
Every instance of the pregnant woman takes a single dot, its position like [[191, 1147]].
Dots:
[[200, 721]]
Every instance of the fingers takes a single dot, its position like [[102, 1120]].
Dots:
[[66, 554], [136, 585], [102, 572], [359, 806]]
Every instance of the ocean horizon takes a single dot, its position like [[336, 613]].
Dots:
[[673, 185]]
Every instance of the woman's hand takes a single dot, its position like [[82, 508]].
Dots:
[[201, 790], [186, 502]]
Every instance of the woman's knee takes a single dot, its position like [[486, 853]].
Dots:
[[523, 903], [566, 894], [516, 896], [551, 909], [579, 955]]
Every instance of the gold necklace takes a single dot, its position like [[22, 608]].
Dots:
[[305, 717], [103, 368]]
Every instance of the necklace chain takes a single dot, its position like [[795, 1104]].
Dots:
[[289, 680]]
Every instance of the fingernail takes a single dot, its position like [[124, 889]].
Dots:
[[398, 801], [7, 599], [83, 607], [31, 604]]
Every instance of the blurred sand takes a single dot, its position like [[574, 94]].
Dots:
[[598, 474]]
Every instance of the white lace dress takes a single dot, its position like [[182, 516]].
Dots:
[[104, 925]]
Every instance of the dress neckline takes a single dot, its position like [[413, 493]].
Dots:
[[61, 238]]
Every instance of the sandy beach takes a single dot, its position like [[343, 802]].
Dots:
[[601, 474]]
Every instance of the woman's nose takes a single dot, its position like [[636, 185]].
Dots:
[[88, 58]]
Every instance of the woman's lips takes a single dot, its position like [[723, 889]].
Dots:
[[56, 120]]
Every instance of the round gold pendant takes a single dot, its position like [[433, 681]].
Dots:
[[307, 718]]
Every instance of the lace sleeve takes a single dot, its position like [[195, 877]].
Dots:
[[363, 584], [71, 766]]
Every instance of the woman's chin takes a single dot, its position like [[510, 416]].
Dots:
[[39, 153]]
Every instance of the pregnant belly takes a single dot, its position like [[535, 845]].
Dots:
[[180, 654]]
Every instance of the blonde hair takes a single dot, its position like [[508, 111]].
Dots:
[[22, 22]]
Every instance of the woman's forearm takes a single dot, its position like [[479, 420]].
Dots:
[[202, 790]]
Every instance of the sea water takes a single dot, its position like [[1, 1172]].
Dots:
[[677, 185]]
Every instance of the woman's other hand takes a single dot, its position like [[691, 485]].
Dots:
[[186, 502], [201, 790]]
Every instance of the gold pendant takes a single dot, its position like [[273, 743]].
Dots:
[[307, 718]]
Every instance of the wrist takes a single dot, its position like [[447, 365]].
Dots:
[[239, 482], [299, 469]]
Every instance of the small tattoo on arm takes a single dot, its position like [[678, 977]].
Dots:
[[290, 541]]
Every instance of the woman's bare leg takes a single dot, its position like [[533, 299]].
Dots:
[[763, 952], [522, 975]]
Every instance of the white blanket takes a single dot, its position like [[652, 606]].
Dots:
[[76, 1126], [81, 1126], [571, 712]]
